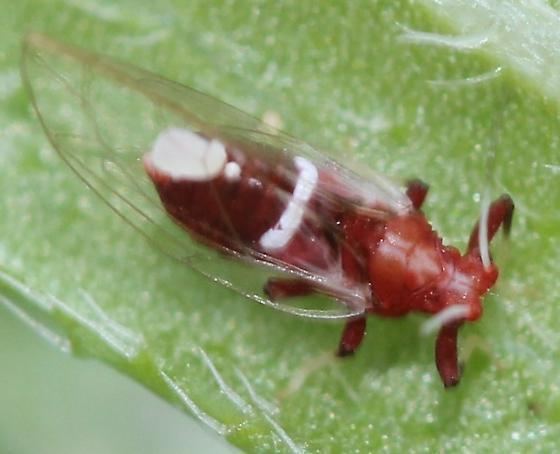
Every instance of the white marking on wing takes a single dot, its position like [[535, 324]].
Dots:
[[185, 155], [232, 171], [283, 231]]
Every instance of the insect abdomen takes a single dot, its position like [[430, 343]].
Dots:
[[228, 199]]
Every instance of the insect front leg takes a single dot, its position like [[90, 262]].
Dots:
[[416, 191], [278, 288], [500, 213], [352, 336], [447, 362]]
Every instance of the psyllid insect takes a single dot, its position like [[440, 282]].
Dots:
[[247, 193]]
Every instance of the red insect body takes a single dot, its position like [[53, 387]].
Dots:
[[235, 213], [400, 259], [254, 193]]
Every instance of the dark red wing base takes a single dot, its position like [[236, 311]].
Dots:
[[276, 288]]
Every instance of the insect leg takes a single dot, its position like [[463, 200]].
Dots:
[[277, 288], [352, 336], [416, 190], [500, 213], [446, 354]]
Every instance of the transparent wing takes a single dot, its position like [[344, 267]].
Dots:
[[365, 189], [102, 116]]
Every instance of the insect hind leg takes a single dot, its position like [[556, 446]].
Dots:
[[354, 330]]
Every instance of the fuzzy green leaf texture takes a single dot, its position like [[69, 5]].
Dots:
[[462, 94]]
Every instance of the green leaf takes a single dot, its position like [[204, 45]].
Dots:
[[428, 88]]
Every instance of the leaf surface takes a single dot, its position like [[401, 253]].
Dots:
[[431, 89]]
